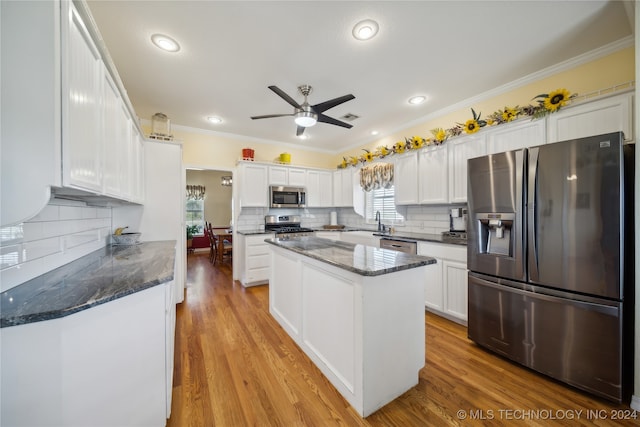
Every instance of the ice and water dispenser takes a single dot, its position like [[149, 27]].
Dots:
[[495, 233]]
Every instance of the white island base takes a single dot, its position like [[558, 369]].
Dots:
[[365, 333]]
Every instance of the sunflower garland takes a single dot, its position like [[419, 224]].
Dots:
[[547, 103]]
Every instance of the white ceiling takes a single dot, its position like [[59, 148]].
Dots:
[[232, 50]]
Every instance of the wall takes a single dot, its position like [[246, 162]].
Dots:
[[217, 200], [611, 70], [62, 232], [213, 150]]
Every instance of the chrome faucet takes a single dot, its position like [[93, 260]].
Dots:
[[380, 224]]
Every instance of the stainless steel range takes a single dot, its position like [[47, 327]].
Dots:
[[286, 226]]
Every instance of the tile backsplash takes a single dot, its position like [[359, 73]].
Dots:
[[62, 232], [418, 219]]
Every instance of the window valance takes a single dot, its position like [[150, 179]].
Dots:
[[195, 192], [376, 176]]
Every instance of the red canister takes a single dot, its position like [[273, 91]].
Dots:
[[247, 154]]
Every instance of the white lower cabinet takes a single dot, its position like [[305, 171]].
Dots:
[[331, 235], [257, 260], [446, 282], [360, 238], [109, 365]]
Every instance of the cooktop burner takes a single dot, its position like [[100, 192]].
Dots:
[[291, 230]]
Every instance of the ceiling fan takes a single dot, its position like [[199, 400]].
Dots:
[[306, 115]]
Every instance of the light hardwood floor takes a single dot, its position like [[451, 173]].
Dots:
[[235, 366]]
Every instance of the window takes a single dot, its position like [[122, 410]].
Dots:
[[382, 200], [195, 214]]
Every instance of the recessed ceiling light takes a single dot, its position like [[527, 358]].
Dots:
[[415, 100], [365, 30], [215, 120], [165, 42], [374, 132]]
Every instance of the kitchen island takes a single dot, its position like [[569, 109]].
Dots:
[[357, 311]]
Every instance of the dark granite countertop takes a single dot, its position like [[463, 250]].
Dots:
[[359, 259], [254, 232], [105, 275], [406, 235]]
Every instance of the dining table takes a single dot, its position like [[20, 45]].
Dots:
[[221, 236]]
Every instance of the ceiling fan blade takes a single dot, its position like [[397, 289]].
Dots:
[[324, 106], [270, 116], [284, 96], [326, 119], [300, 130]]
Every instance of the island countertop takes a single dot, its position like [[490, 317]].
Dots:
[[105, 275], [359, 259]]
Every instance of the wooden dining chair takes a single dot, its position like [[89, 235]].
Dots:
[[213, 244]]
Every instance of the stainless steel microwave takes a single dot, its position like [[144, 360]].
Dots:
[[287, 197]]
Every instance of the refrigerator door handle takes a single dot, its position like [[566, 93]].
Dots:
[[532, 226], [604, 308]]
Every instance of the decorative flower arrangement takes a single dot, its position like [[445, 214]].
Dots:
[[547, 103], [474, 125]]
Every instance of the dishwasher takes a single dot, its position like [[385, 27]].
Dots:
[[394, 244]]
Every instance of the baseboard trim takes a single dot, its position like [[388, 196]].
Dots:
[[635, 402]]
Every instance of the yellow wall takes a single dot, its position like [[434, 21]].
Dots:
[[210, 150], [219, 152], [615, 69]]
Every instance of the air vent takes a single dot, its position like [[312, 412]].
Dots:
[[349, 117]]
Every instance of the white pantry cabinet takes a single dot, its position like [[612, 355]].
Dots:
[[405, 179], [516, 135], [605, 115], [446, 282], [433, 175], [460, 150], [252, 185]]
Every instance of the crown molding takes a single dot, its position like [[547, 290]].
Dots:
[[592, 55]]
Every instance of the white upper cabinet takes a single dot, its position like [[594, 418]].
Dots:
[[30, 113], [433, 175], [285, 175], [82, 139], [82, 78], [513, 136], [460, 150], [319, 189], [253, 188], [297, 177], [611, 114], [405, 179], [343, 184], [278, 175]]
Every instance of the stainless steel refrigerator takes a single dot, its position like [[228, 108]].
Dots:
[[550, 259]]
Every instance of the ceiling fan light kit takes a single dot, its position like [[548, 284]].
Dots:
[[305, 115]]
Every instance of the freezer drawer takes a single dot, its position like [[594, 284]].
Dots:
[[575, 341]]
